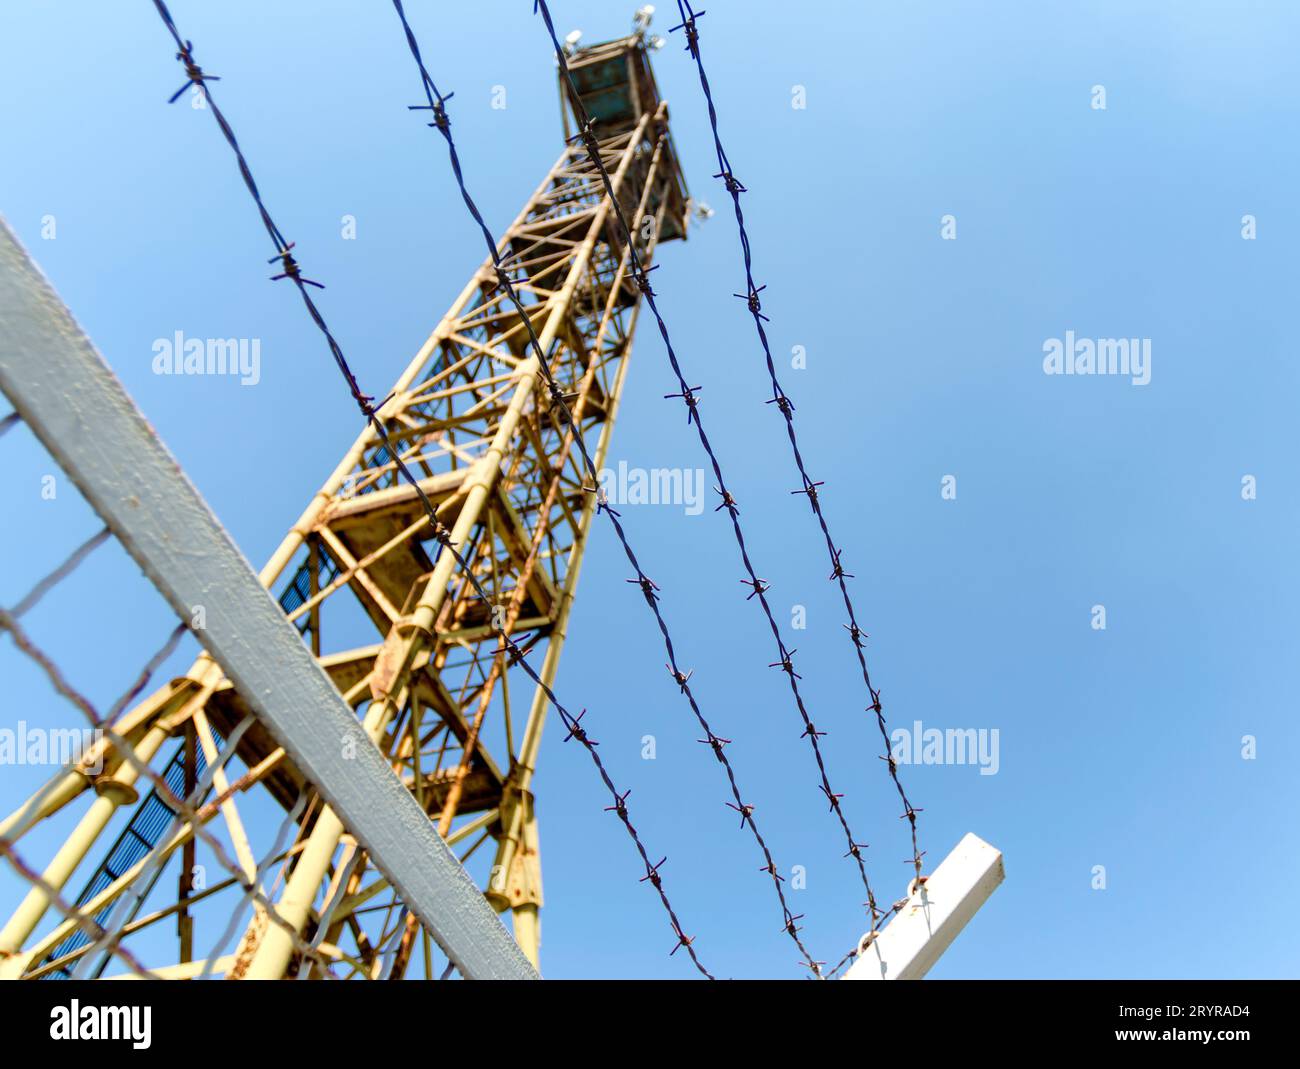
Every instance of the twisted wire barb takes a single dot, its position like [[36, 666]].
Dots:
[[441, 121], [811, 488], [689, 395], [291, 270]]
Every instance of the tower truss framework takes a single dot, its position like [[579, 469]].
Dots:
[[397, 626]]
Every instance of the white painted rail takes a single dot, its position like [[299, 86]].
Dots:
[[936, 912]]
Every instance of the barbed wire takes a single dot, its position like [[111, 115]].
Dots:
[[689, 395], [811, 488], [442, 122], [875, 930], [290, 269], [61, 572]]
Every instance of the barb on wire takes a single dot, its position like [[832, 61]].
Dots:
[[292, 271], [436, 104], [689, 395], [689, 25], [10, 421]]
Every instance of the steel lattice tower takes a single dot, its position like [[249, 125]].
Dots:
[[432, 688]]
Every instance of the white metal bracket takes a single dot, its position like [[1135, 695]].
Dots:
[[936, 912]]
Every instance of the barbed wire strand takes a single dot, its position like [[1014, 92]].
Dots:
[[61, 572], [858, 947], [291, 270], [811, 488], [688, 394], [437, 106]]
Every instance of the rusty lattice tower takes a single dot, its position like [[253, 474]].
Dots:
[[432, 687]]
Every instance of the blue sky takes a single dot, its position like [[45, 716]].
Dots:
[[1119, 748]]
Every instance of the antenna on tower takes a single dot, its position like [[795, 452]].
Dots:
[[641, 20]]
